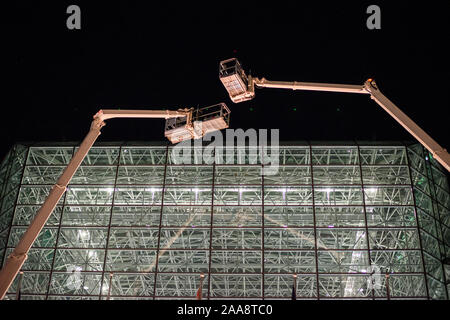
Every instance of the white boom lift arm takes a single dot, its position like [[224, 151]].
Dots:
[[242, 88], [17, 258]]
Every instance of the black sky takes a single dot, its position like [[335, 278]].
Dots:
[[166, 54]]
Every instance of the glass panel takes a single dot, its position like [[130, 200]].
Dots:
[[185, 238], [420, 181], [32, 282], [179, 196], [233, 286], [179, 285], [390, 216], [433, 267], [338, 196], [386, 175], [335, 155], [290, 175], [75, 283], [383, 155], [82, 260], [288, 196], [38, 259], [237, 216], [25, 214], [343, 261], [89, 195], [407, 286], [394, 261], [101, 156], [280, 286], [86, 216], [336, 238], [249, 196], [184, 261], [136, 285], [133, 238], [46, 238], [152, 175], [94, 175], [436, 289], [192, 216], [294, 155], [393, 239], [277, 216], [388, 196], [337, 175], [148, 216], [289, 262], [236, 261], [423, 201], [189, 175], [288, 238], [34, 195], [49, 156], [143, 156], [344, 286], [82, 238], [138, 196], [340, 217], [440, 179], [236, 238], [42, 174], [131, 260], [237, 175]]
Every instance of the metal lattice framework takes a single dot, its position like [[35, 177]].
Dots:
[[330, 214]]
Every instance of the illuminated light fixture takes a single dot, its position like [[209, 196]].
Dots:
[[371, 190], [196, 193], [105, 289], [84, 235]]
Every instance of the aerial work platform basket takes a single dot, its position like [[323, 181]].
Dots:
[[204, 121], [236, 81]]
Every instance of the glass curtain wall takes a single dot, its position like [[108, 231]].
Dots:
[[352, 221]]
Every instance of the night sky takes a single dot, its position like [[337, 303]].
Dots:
[[166, 54]]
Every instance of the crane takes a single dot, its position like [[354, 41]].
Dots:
[[181, 125], [241, 88]]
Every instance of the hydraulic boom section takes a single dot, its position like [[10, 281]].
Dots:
[[241, 87]]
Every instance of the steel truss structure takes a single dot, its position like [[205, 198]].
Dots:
[[332, 214]]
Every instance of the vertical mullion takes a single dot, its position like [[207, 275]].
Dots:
[[417, 221], [437, 219], [18, 192], [314, 220], [2, 196], [211, 223], [262, 227], [365, 213], [160, 221], [57, 239], [108, 234]]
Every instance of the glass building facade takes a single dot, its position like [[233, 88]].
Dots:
[[134, 224]]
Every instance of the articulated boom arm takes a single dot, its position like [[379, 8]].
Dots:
[[370, 87], [156, 114], [17, 258], [241, 88]]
